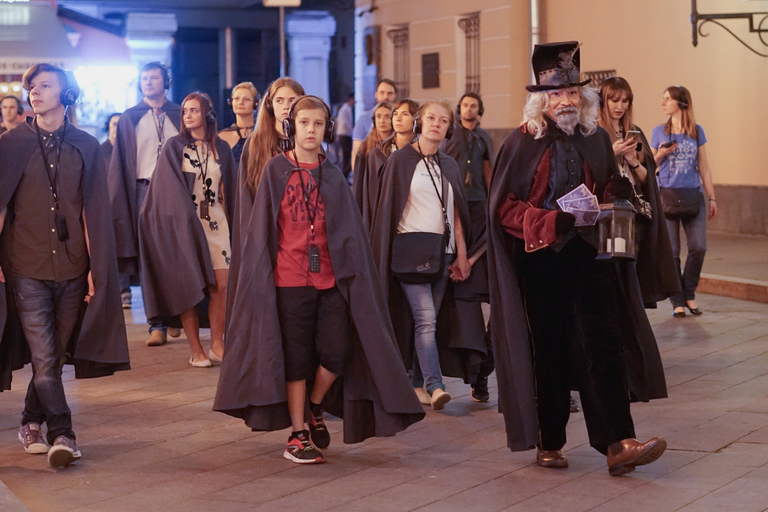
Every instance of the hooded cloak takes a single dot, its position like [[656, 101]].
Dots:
[[373, 395], [176, 267], [122, 182], [365, 181], [98, 345]]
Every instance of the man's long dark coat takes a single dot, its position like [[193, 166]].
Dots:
[[98, 346], [176, 267], [374, 396], [460, 342], [122, 182], [514, 173]]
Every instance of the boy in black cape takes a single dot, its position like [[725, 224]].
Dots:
[[60, 301], [307, 294]]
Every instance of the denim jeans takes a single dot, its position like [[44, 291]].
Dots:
[[696, 238], [48, 312], [425, 300]]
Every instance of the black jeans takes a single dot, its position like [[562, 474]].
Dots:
[[572, 303], [48, 312]]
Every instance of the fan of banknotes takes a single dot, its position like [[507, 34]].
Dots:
[[582, 204]]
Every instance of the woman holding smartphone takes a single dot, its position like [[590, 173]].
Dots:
[[655, 266], [421, 194], [679, 150]]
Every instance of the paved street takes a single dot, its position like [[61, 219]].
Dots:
[[150, 442]]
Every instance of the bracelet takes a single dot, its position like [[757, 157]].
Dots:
[[633, 167]]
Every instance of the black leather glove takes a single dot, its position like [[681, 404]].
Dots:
[[564, 223], [619, 187]]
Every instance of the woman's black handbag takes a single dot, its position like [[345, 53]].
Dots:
[[418, 258], [681, 203]]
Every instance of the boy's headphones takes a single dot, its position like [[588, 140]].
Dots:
[[70, 91], [481, 107], [681, 102], [289, 123], [417, 126], [19, 103]]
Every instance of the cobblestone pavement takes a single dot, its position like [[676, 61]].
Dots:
[[150, 442]]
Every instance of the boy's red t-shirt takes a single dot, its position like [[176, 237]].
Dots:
[[294, 234]]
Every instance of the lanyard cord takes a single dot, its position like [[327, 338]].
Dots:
[[54, 182], [203, 168], [311, 212], [426, 159], [159, 122]]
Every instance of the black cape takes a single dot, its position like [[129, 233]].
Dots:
[[374, 395], [98, 346], [514, 173], [656, 268], [365, 182], [460, 339], [176, 268], [122, 182]]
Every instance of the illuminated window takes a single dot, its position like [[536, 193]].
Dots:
[[470, 25], [399, 38]]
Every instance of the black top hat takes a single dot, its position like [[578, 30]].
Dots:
[[556, 66]]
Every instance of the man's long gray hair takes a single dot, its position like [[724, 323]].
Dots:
[[537, 105]]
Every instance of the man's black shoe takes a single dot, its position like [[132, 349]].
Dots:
[[480, 390]]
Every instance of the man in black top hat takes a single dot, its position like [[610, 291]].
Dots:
[[548, 291]]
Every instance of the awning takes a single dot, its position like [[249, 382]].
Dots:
[[99, 48], [30, 34]]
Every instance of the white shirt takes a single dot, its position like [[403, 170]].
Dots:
[[345, 121], [423, 212], [147, 142]]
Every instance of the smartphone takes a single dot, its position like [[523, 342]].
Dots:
[[668, 144], [634, 134]]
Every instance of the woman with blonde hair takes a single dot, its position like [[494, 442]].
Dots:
[[243, 102], [678, 150]]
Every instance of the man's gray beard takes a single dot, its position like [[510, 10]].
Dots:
[[567, 121]]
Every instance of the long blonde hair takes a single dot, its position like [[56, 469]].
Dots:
[[264, 142], [680, 94], [537, 104]]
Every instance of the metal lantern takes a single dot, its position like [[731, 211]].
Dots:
[[616, 230]]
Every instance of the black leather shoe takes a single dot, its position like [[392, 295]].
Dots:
[[679, 314], [694, 311]]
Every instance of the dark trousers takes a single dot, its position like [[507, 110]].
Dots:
[[142, 186], [572, 303], [48, 312]]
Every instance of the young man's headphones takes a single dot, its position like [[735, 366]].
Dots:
[[163, 71], [681, 102], [417, 126], [289, 123], [19, 103], [70, 91], [481, 108]]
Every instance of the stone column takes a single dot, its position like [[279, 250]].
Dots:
[[150, 36], [309, 48]]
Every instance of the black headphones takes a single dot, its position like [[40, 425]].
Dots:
[[681, 102], [70, 91], [163, 70], [417, 126], [19, 103], [256, 100], [289, 123], [481, 109]]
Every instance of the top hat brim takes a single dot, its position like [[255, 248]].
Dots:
[[541, 88]]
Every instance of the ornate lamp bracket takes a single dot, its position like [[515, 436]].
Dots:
[[756, 21]]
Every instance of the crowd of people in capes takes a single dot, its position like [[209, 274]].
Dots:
[[353, 285]]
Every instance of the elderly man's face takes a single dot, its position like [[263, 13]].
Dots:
[[564, 108]]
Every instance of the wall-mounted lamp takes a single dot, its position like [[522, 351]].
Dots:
[[699, 20]]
